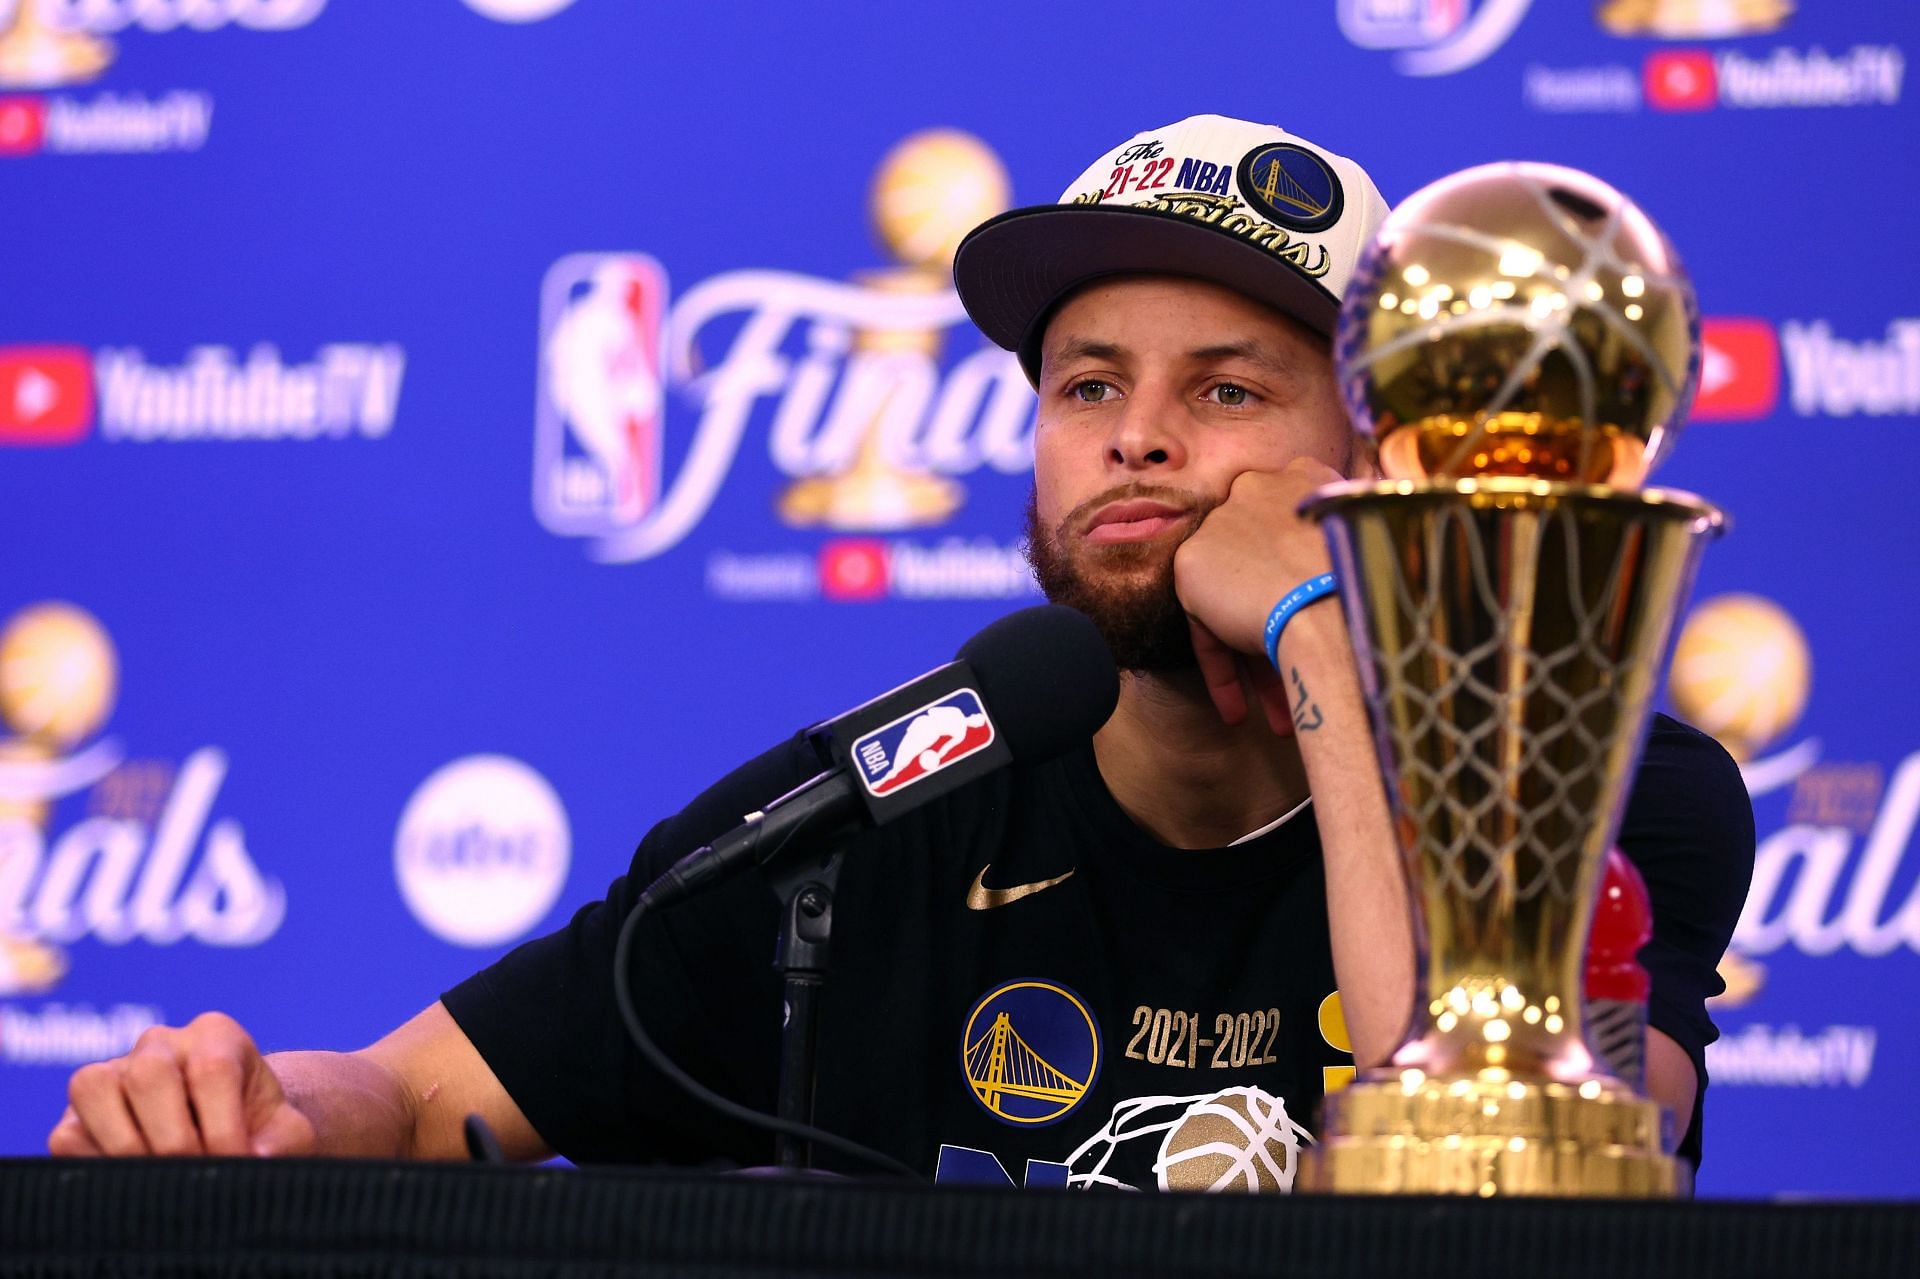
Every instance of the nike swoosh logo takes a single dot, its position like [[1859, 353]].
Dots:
[[980, 897]]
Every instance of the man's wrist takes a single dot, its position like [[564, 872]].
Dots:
[[1301, 599], [1315, 636]]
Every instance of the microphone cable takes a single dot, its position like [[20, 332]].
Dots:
[[629, 1013]]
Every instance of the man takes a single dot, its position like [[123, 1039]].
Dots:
[[1112, 961]]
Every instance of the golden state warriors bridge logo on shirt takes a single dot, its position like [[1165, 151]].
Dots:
[[1031, 1051]]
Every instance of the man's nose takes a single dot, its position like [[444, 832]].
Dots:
[[1146, 434]]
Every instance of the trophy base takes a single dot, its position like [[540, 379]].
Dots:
[[33, 56], [870, 500], [1488, 1138]]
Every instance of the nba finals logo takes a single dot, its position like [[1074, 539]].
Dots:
[[146, 862], [596, 465], [1742, 672], [58, 676], [1030, 1052], [1434, 37], [870, 430], [45, 44]]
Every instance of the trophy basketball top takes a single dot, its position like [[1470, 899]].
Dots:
[[1519, 320]]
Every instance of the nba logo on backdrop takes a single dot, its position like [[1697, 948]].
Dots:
[[597, 425], [1433, 37]]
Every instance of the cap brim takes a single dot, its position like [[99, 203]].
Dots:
[[1012, 271]]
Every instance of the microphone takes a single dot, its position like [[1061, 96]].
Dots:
[[1049, 680]]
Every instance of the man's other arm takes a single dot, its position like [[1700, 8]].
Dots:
[[205, 1089]]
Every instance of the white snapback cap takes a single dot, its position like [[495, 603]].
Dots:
[[1243, 205]]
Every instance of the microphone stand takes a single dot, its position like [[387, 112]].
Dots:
[[806, 931]]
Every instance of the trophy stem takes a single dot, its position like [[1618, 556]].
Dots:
[[874, 493], [1510, 633]]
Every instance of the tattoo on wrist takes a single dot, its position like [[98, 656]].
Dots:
[[1306, 711]]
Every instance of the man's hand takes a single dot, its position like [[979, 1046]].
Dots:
[[1248, 552], [202, 1089]]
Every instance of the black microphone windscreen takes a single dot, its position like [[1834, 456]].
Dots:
[[1047, 677]]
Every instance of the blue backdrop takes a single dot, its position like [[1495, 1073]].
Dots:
[[406, 411]]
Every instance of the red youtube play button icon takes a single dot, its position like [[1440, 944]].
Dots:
[[46, 394], [1739, 370], [1681, 80], [23, 125], [853, 568]]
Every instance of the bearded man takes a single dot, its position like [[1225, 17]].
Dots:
[[1197, 918]]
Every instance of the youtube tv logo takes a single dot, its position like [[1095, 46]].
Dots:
[[46, 394], [23, 125], [1739, 370], [1681, 80]]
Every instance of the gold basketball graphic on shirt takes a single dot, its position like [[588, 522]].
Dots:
[[1241, 1139], [58, 673], [1030, 1052], [1741, 672], [1236, 1139]]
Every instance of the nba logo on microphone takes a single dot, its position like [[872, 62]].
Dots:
[[600, 402], [922, 742]]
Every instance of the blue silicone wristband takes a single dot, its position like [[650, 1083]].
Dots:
[[1292, 602]]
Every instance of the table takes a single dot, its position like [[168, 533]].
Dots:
[[337, 1217]]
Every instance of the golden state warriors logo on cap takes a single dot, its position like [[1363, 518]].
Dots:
[[1031, 1051], [1290, 185]]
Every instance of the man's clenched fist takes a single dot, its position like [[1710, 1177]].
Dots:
[[1248, 552], [202, 1089]]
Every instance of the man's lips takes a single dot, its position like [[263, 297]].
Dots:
[[1138, 520]]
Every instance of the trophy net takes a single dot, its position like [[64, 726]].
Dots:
[[1511, 634]]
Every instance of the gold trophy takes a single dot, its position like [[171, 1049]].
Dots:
[[1521, 342], [37, 55], [58, 677], [1742, 671], [930, 190], [1692, 19]]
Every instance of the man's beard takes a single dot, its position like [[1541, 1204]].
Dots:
[[1126, 588]]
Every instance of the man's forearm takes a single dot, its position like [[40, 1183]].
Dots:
[[358, 1107], [1367, 909]]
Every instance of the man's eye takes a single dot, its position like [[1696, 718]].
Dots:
[[1230, 395], [1091, 391]]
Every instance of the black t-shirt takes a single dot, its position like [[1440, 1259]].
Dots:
[[1020, 973]]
